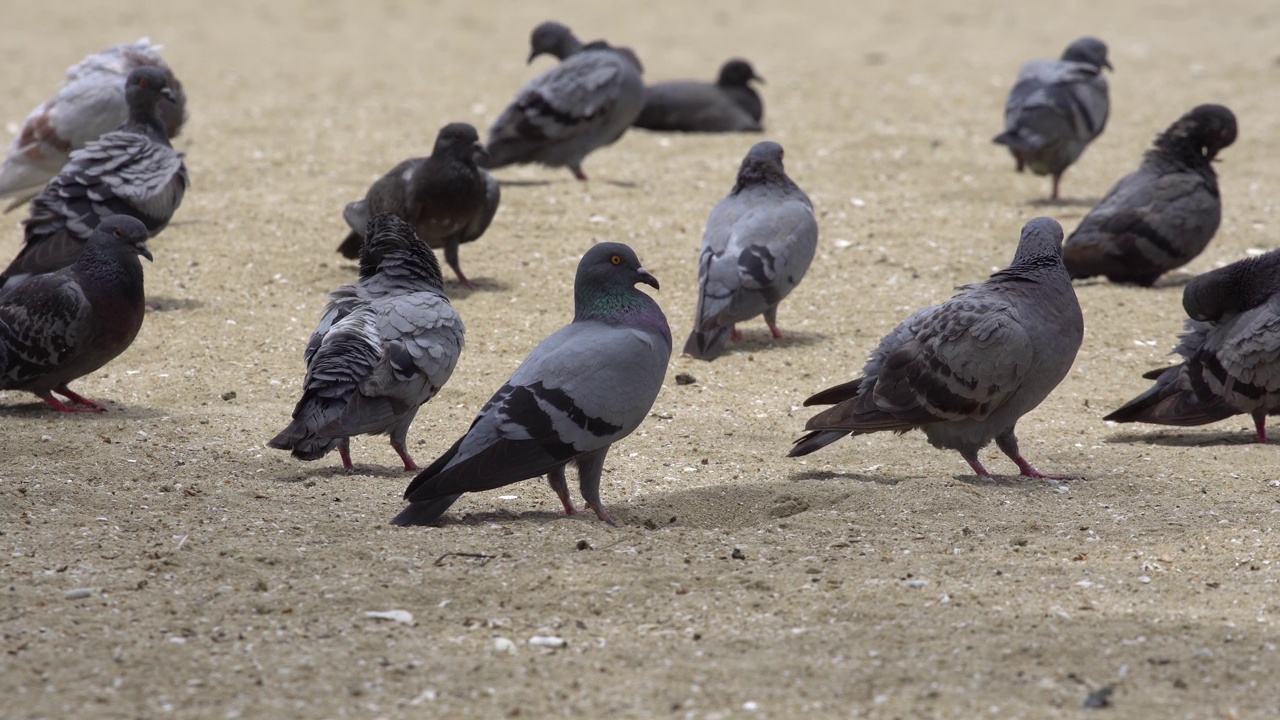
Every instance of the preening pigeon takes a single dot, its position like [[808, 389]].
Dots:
[[584, 103], [758, 244], [90, 102], [553, 38], [1230, 352], [585, 387], [1056, 108], [446, 197], [384, 346], [131, 171], [966, 370], [1162, 216], [63, 325], [729, 104]]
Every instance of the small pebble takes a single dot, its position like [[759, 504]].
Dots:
[[685, 379], [78, 594], [547, 641], [229, 395], [403, 617], [501, 644]]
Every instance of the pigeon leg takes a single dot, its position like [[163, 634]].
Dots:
[[577, 172], [590, 467], [344, 452], [976, 464], [78, 399], [735, 335], [561, 487], [1008, 444], [451, 257], [56, 404], [1056, 177], [1260, 422], [397, 444], [771, 319], [1017, 156]]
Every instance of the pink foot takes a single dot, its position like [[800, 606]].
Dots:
[[86, 404], [978, 468], [409, 464], [1027, 470], [604, 514], [735, 335], [345, 453], [577, 172]]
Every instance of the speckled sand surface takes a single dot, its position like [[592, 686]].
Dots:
[[877, 579]]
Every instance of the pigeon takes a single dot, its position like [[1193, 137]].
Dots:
[[1230, 352], [553, 38], [584, 103], [384, 346], [586, 386], [1056, 108], [90, 102], [131, 171], [63, 325], [1162, 216], [966, 370], [758, 244], [729, 104], [447, 197]]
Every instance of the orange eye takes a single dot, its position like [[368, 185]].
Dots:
[[616, 260]]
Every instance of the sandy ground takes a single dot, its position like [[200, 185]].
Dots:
[[877, 579]]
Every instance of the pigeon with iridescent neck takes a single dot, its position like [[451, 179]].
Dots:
[[587, 386]]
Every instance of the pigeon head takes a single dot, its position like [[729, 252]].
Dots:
[[1242, 285], [553, 38], [1213, 127], [1197, 136], [1089, 50], [1041, 241], [460, 141], [391, 242], [737, 73], [123, 232], [762, 164], [604, 287], [145, 87]]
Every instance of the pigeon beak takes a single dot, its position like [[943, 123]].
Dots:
[[144, 251], [166, 93], [1107, 64], [480, 153], [647, 278], [757, 78], [532, 55]]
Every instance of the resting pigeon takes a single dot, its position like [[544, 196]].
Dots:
[[553, 38], [584, 103], [1056, 108], [131, 171], [447, 198], [758, 244], [384, 346], [1230, 351], [966, 370], [729, 104], [1162, 216], [585, 387], [90, 102], [63, 325]]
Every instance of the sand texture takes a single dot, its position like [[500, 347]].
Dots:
[[877, 578]]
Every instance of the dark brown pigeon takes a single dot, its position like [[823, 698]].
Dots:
[[967, 370], [729, 104], [63, 325], [131, 171], [1230, 352], [447, 197], [1163, 215]]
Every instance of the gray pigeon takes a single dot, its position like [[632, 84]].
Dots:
[[729, 104], [553, 38], [60, 326], [446, 197], [584, 103], [90, 102], [1056, 108], [585, 387], [1162, 216], [758, 244], [131, 171], [1230, 351], [384, 346], [966, 370]]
